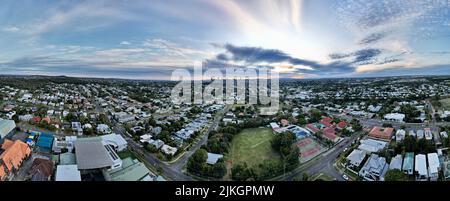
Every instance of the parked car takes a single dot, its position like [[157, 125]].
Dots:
[[345, 177]]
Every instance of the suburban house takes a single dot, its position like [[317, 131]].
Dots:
[[420, 134], [433, 166], [213, 158], [400, 135], [104, 129], [381, 133], [408, 163], [356, 157], [421, 168], [397, 117], [169, 150], [396, 162], [372, 146], [428, 134], [374, 169]]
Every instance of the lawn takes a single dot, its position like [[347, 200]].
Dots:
[[252, 146], [445, 103]]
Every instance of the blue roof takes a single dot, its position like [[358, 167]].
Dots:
[[45, 140]]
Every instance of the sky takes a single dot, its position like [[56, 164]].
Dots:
[[149, 39]]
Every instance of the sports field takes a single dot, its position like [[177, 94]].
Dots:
[[445, 103], [253, 147]]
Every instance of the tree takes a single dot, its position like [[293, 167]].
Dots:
[[197, 161], [395, 175], [305, 176], [241, 172], [152, 122], [219, 170]]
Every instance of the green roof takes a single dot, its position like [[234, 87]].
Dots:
[[67, 159], [408, 162], [132, 170]]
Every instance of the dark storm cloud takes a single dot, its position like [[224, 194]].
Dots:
[[255, 55]]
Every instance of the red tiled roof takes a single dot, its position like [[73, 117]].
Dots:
[[329, 133], [6, 144], [47, 119], [312, 128], [13, 156], [342, 124], [326, 122], [2, 173], [37, 119], [381, 133]]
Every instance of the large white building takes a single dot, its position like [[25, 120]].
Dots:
[[115, 140]]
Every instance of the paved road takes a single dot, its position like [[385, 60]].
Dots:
[[324, 163], [174, 170]]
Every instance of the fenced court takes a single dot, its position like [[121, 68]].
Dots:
[[309, 149]]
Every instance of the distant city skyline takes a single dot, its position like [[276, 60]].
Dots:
[[297, 38]]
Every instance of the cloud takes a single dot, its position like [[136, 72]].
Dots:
[[372, 38], [119, 52], [174, 49], [279, 60], [125, 43], [360, 56], [11, 29], [84, 16]]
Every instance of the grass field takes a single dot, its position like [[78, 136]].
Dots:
[[252, 146], [445, 103]]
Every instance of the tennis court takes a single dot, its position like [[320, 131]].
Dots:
[[309, 149]]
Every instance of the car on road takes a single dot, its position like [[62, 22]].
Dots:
[[345, 177]]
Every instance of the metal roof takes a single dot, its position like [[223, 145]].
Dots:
[[91, 155], [6, 126]]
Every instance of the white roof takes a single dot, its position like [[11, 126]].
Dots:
[[421, 164], [213, 158], [114, 138], [357, 156], [396, 116], [433, 162], [371, 145], [274, 125], [67, 173], [396, 162]]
